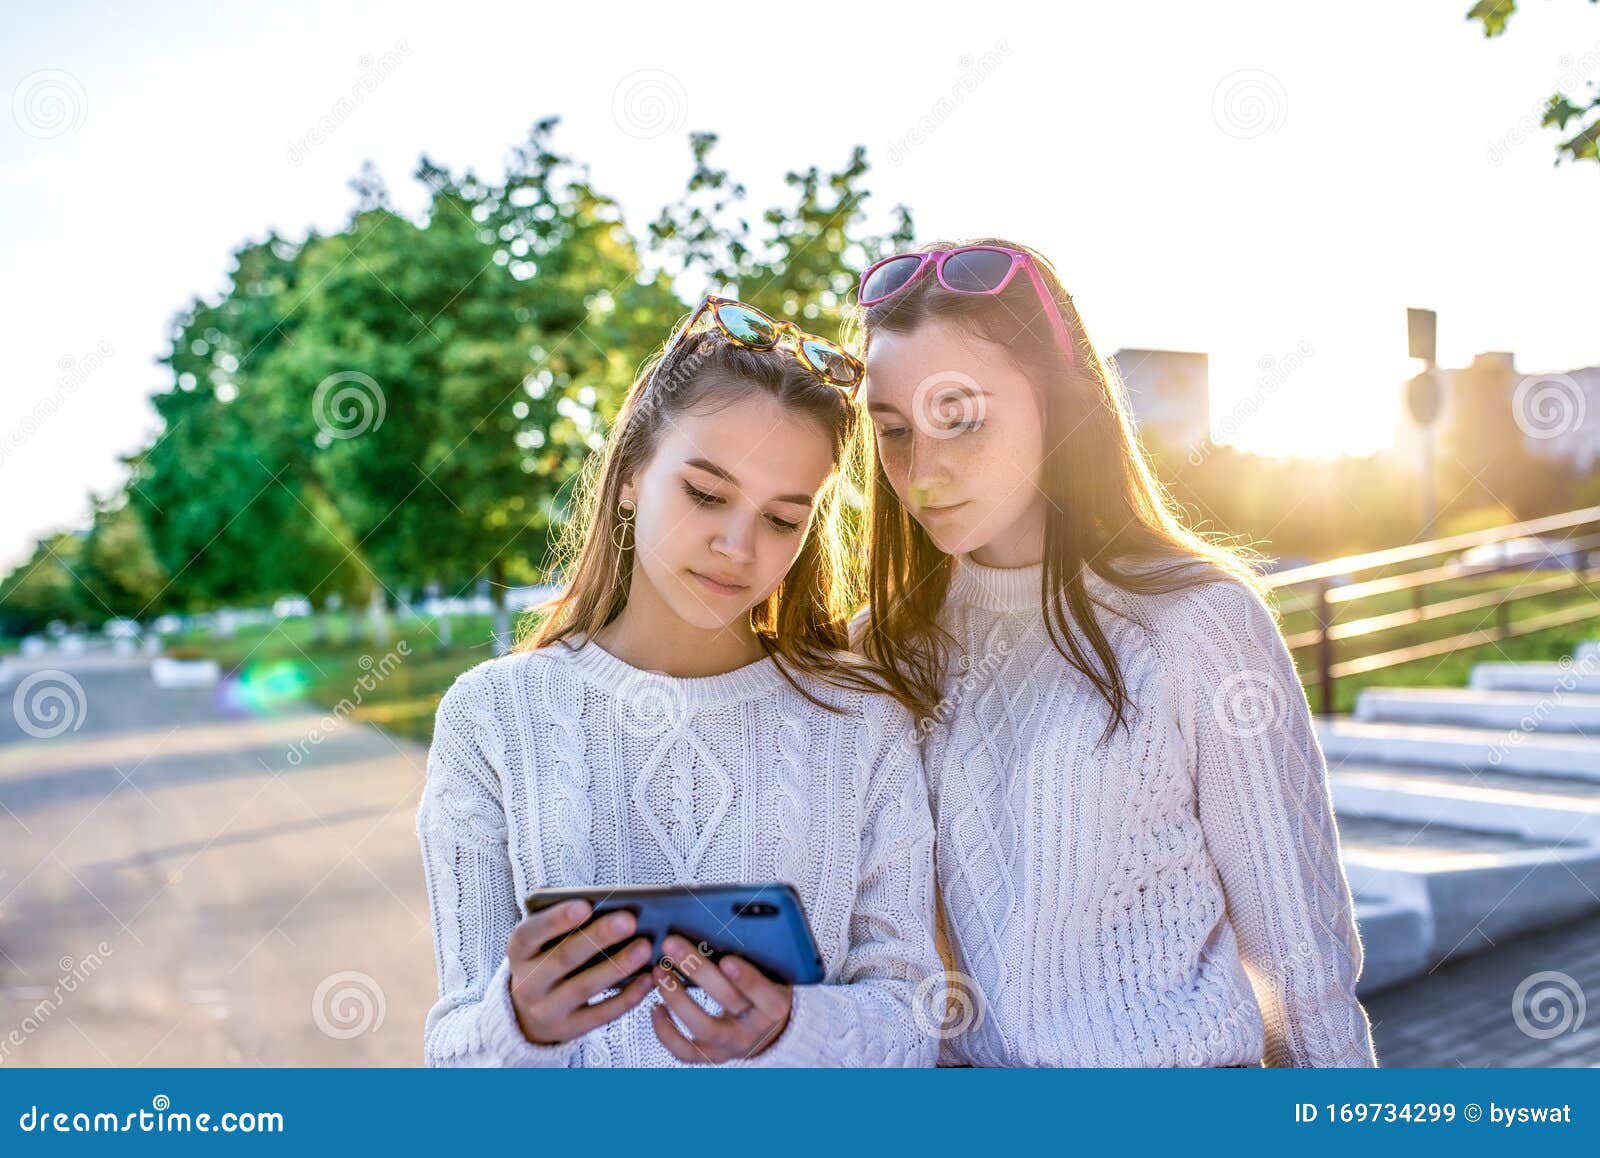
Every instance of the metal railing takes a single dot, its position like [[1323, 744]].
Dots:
[[1328, 588]]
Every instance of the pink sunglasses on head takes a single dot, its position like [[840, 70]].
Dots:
[[984, 270]]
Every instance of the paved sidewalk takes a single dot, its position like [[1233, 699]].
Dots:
[[252, 911]]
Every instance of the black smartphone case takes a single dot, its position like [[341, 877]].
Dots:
[[764, 924]]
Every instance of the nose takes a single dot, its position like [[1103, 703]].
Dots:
[[925, 469], [735, 538]]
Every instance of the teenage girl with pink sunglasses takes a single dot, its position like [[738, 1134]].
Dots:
[[1136, 850]]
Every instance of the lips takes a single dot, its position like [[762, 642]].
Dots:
[[721, 584], [944, 510]]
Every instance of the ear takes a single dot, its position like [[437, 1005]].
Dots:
[[626, 491]]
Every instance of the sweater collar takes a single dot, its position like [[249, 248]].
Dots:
[[607, 671], [996, 588]]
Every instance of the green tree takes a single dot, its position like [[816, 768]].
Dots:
[[1574, 113]]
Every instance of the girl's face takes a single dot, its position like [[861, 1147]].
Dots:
[[723, 507], [960, 433]]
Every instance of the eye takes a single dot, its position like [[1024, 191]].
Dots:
[[891, 432], [969, 427], [700, 497], [783, 526]]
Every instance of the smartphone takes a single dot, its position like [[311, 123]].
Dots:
[[764, 924]]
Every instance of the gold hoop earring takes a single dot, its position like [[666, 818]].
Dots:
[[624, 527]]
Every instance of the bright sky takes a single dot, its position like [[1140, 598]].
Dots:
[[1240, 178]]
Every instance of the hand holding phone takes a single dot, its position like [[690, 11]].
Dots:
[[550, 992], [755, 1008]]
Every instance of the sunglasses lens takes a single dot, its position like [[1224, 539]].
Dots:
[[830, 361], [976, 271], [748, 326], [890, 277]]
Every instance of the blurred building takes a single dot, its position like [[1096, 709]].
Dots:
[[1553, 414], [1169, 392]]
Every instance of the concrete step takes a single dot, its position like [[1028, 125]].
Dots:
[[1347, 741], [1479, 708], [1543, 678], [1548, 808], [1475, 887]]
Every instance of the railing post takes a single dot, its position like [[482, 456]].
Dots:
[[1324, 649]]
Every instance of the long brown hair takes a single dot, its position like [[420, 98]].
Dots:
[[802, 624], [1106, 511]]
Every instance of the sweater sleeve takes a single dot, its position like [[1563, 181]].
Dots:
[[886, 1004], [1267, 816], [461, 825]]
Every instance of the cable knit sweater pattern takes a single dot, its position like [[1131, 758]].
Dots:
[[1171, 897], [567, 766]]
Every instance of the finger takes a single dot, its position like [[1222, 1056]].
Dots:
[[575, 949], [601, 1012], [692, 964], [705, 1029], [533, 931], [577, 990], [772, 999], [672, 1038]]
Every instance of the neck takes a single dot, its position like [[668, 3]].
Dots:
[[1019, 545], [650, 635]]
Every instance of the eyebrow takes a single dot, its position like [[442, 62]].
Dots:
[[712, 468]]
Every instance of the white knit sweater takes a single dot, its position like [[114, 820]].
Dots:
[[1172, 897], [571, 767]]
